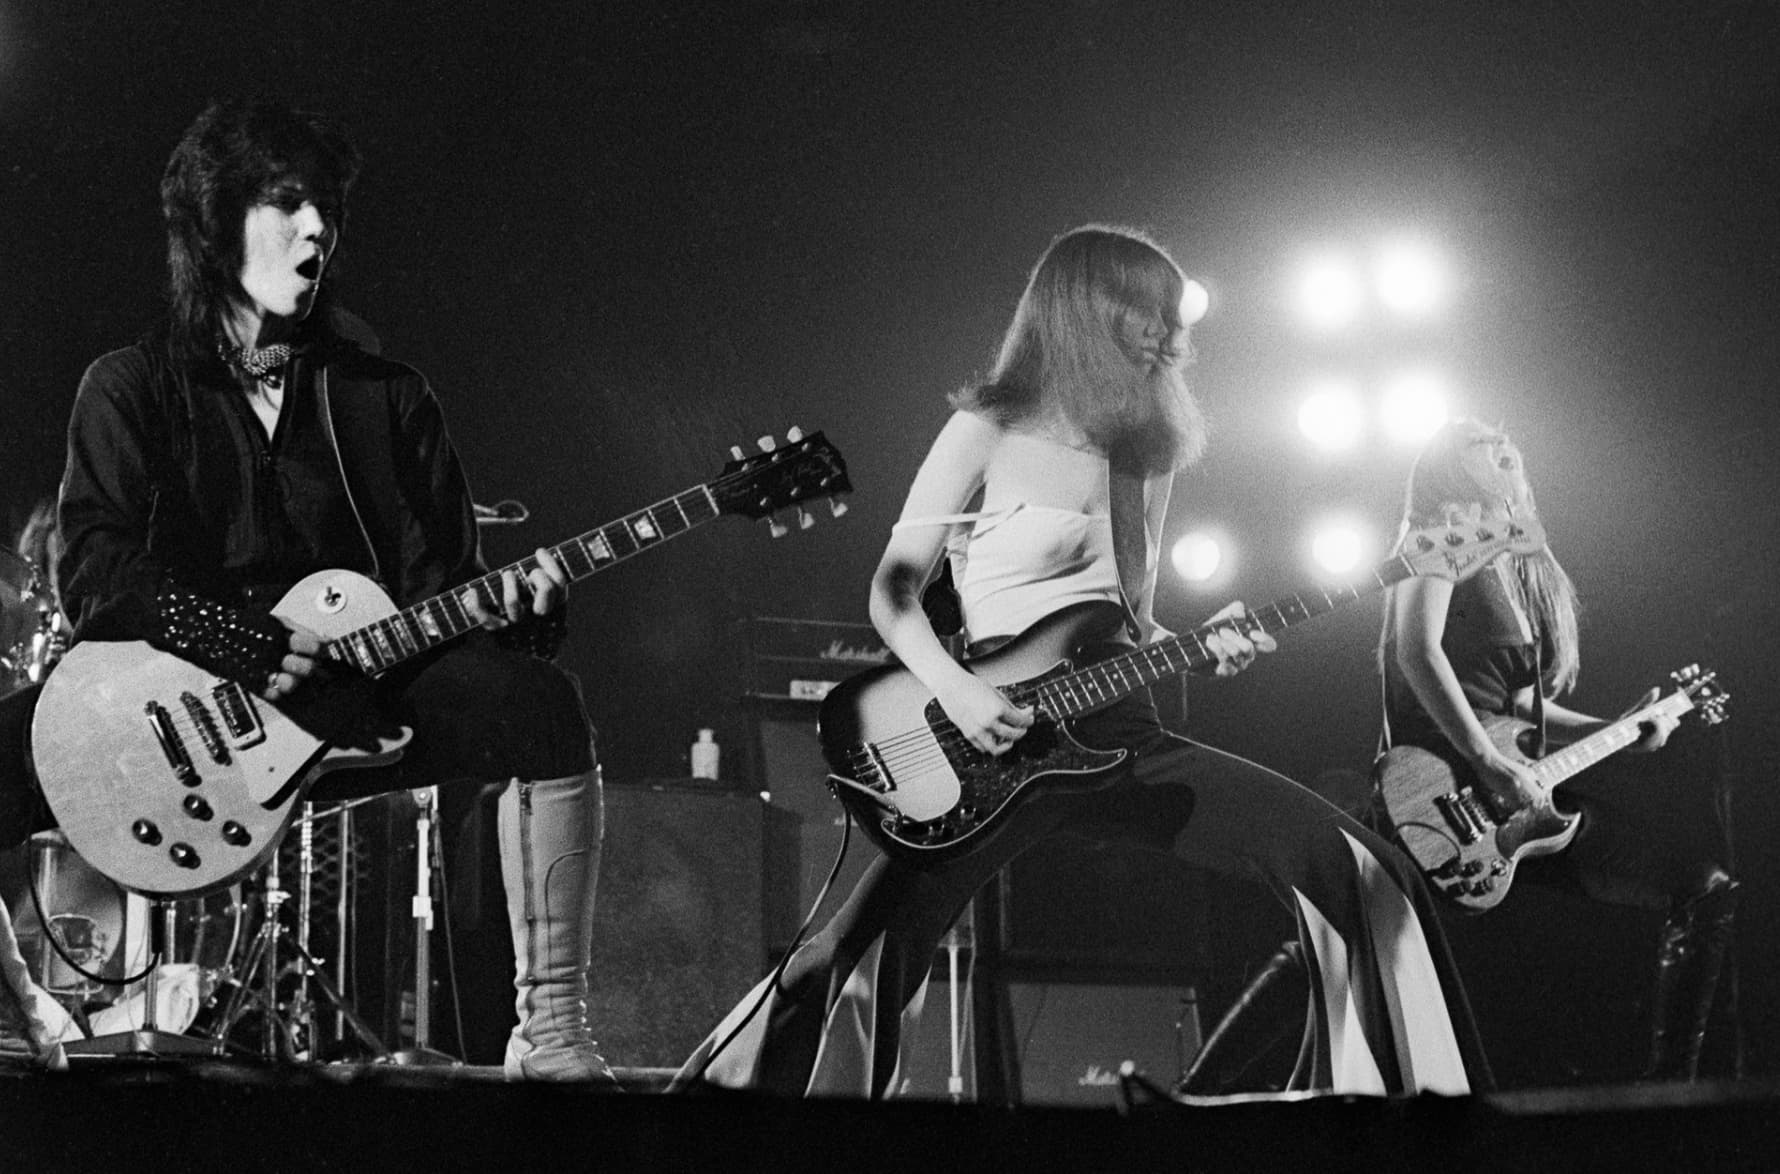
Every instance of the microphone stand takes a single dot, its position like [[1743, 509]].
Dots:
[[422, 1053]]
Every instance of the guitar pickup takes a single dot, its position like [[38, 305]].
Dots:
[[240, 721], [1460, 818], [161, 722]]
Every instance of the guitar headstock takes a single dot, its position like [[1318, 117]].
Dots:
[[782, 475], [1703, 689], [1460, 550]]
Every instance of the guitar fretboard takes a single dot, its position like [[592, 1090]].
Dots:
[[1107, 681], [1577, 757], [380, 646]]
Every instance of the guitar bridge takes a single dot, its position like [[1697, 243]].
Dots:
[[205, 724]]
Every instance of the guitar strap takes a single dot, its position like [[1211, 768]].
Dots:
[[358, 430], [1526, 598], [1125, 505]]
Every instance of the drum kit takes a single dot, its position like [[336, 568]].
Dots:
[[223, 971]]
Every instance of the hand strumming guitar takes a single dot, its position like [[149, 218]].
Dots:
[[988, 721], [1510, 785]]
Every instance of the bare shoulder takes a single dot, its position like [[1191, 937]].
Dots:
[[967, 440], [967, 427]]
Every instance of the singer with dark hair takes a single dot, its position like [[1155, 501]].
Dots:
[[1049, 484], [247, 442]]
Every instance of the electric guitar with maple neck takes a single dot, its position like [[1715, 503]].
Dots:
[[919, 788], [1454, 830]]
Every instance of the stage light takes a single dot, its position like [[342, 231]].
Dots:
[[1339, 546], [1330, 293], [1195, 300], [1409, 279], [1413, 406], [1197, 556], [1330, 416]]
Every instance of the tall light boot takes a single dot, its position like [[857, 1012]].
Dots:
[[1690, 955], [550, 849]]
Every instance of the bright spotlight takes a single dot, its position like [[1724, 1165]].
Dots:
[[1414, 406], [1330, 416], [1197, 556], [1410, 279], [1331, 293], [1195, 300], [1339, 546]]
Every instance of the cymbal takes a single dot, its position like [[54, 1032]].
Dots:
[[21, 601]]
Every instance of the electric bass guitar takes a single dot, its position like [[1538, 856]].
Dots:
[[1454, 830], [173, 781], [919, 789]]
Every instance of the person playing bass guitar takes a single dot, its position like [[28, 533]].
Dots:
[[1088, 406], [1504, 643]]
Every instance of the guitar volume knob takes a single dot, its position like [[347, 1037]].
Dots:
[[146, 832], [184, 855], [235, 834], [196, 807]]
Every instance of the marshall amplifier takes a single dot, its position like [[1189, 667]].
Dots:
[[801, 660], [786, 667]]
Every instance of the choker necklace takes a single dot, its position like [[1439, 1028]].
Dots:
[[265, 364]]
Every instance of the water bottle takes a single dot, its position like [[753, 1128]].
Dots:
[[704, 755]]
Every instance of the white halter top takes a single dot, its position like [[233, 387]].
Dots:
[[1014, 566]]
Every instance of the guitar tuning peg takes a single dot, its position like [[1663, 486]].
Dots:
[[836, 507], [793, 434], [776, 528], [735, 450], [804, 521], [767, 443]]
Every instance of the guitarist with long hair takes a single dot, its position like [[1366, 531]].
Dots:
[[249, 442], [1504, 644], [1089, 391]]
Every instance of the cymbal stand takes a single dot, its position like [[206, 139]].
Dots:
[[300, 1013], [262, 965]]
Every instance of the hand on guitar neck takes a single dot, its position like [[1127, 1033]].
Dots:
[[301, 662], [1656, 727]]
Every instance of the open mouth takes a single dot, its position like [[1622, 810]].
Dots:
[[311, 269]]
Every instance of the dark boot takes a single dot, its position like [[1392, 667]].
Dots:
[[1690, 955], [1269, 1011]]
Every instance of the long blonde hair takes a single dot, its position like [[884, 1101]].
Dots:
[[1098, 336], [1445, 487]]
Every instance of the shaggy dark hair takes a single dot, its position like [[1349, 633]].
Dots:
[[232, 156]]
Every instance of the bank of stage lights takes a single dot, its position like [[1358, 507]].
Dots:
[[1402, 285]]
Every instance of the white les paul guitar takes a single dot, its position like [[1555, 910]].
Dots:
[[173, 781]]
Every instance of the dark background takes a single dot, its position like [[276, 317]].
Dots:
[[621, 237]]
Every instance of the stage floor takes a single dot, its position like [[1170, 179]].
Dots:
[[122, 1114]]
